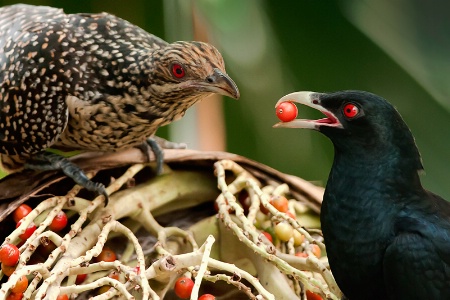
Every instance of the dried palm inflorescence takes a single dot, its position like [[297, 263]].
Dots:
[[164, 227]]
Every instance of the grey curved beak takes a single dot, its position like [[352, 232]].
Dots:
[[219, 82]]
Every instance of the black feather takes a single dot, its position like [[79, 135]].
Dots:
[[387, 237]]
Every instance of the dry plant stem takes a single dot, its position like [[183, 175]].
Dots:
[[141, 203], [142, 280], [129, 248], [264, 198], [129, 173], [228, 279], [32, 286], [282, 189], [31, 243], [81, 242], [310, 282], [298, 287], [161, 269], [195, 187], [147, 220], [254, 206], [203, 266], [113, 225], [311, 263], [174, 264], [108, 295], [56, 203], [236, 186], [101, 266], [217, 264], [96, 284], [175, 231]]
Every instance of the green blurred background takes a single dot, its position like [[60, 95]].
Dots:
[[397, 49]]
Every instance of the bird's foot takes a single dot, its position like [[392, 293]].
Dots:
[[47, 161], [165, 144], [157, 145]]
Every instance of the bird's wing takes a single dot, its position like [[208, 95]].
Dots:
[[18, 21], [414, 266], [33, 112], [116, 29], [26, 30]]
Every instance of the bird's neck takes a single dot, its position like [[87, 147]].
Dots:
[[378, 172]]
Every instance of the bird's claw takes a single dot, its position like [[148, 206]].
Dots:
[[47, 161], [157, 145]]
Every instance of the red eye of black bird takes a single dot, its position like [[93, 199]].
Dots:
[[351, 110], [178, 71]]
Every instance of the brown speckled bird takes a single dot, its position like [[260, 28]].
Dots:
[[92, 82]]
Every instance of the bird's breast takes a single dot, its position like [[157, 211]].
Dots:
[[107, 126], [357, 225]]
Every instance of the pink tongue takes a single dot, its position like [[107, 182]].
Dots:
[[325, 120], [329, 120]]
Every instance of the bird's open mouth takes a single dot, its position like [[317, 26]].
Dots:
[[308, 99]]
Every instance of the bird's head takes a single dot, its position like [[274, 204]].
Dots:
[[357, 122], [190, 71]]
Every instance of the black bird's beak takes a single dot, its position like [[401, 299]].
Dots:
[[310, 99], [220, 83]]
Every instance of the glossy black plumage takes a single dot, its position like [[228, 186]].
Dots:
[[387, 237]]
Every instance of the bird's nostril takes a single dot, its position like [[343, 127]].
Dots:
[[209, 79]]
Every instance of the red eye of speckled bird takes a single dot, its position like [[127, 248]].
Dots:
[[178, 71]]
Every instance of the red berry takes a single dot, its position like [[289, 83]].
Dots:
[[62, 297], [46, 247], [114, 275], [286, 111], [59, 222], [280, 203], [28, 231], [20, 286], [291, 215], [14, 296], [80, 278], [301, 254], [22, 211], [216, 207], [207, 297], [244, 200], [312, 296], [8, 270], [103, 289], [263, 209], [268, 236], [315, 249], [9, 255], [183, 287], [107, 255]]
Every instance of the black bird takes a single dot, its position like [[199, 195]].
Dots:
[[387, 237], [93, 82]]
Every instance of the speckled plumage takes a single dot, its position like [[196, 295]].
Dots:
[[93, 82]]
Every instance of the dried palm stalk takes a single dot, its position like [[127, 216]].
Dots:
[[162, 227]]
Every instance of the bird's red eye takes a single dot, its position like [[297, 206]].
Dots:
[[178, 71], [351, 110]]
